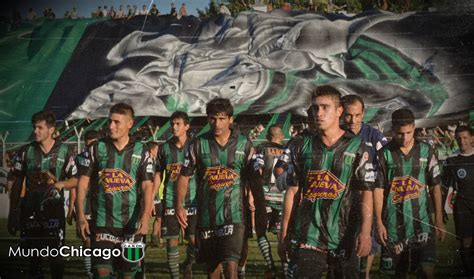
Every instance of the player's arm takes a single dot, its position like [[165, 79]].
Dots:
[[82, 188], [365, 182], [434, 180], [379, 199], [72, 202], [187, 171], [146, 173], [18, 178]]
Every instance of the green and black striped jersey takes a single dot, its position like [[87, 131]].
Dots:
[[115, 180], [169, 162], [221, 173], [42, 170], [405, 180], [330, 178]]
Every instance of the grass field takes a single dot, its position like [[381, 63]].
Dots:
[[448, 259]]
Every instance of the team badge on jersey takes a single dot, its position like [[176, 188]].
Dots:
[[461, 173], [405, 188], [116, 180], [220, 177], [133, 251], [173, 170], [322, 184]]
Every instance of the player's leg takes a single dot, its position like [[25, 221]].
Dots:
[[156, 232], [230, 245], [464, 224], [393, 264], [101, 268], [190, 233], [261, 226], [425, 258], [243, 259]]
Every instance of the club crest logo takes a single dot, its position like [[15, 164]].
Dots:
[[461, 173], [220, 177], [173, 170], [133, 251], [116, 180], [322, 184], [405, 188]]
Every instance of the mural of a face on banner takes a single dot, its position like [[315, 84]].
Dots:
[[269, 63]]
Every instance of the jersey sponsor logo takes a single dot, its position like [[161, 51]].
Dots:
[[220, 177], [405, 188], [173, 170], [116, 180], [322, 184], [461, 173]]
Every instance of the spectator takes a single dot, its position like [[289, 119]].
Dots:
[[98, 13], [66, 14], [154, 11], [135, 10], [45, 12], [173, 10], [51, 14], [104, 11], [269, 8], [182, 11], [144, 10], [73, 14], [31, 15], [120, 13], [286, 7], [224, 10], [130, 11], [111, 12]]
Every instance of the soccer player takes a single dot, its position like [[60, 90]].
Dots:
[[120, 172], [220, 159], [169, 163], [45, 166], [407, 176], [267, 194], [89, 138], [334, 195], [354, 111], [460, 173]]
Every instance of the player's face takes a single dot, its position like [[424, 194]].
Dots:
[[179, 127], [404, 135], [119, 125], [154, 151], [42, 132], [353, 115], [220, 123], [464, 140], [326, 114]]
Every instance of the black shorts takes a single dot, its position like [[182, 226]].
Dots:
[[310, 263], [221, 245], [43, 228], [170, 227], [158, 209], [113, 239], [464, 217], [412, 257]]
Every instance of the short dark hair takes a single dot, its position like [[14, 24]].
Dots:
[[327, 91], [152, 144], [352, 99], [269, 135], [44, 115], [122, 108], [219, 105], [402, 117], [180, 115], [463, 128], [91, 135]]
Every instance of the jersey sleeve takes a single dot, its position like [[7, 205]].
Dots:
[[364, 174], [190, 159], [86, 161], [19, 163], [146, 169], [381, 170], [433, 175], [160, 165]]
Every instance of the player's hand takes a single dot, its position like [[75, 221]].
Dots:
[[283, 247], [440, 230], [382, 234], [13, 224], [70, 217], [251, 203], [50, 178], [445, 217], [182, 216], [153, 211], [84, 228], [363, 244], [143, 227]]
